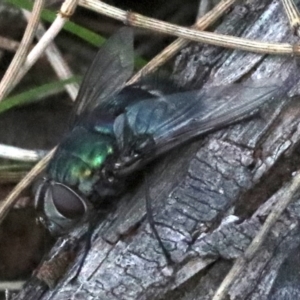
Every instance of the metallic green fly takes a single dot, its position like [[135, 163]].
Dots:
[[118, 130]]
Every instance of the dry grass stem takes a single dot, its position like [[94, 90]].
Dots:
[[23, 49], [57, 61], [293, 15], [201, 24], [16, 192], [20, 154], [11, 285], [210, 38], [66, 11], [204, 7], [249, 254]]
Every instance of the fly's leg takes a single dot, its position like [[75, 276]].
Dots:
[[151, 221], [88, 242], [87, 247]]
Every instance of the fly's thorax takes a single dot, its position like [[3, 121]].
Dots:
[[80, 157]]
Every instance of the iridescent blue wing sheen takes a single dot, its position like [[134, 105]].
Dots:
[[109, 71], [151, 127]]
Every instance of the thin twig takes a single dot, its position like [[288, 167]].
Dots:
[[15, 153], [15, 193], [173, 48], [204, 7], [23, 49], [66, 11], [210, 38], [11, 285], [57, 61], [293, 15], [241, 262], [63, 15]]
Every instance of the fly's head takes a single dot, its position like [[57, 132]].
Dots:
[[59, 207]]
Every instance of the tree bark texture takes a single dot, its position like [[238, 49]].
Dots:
[[210, 197]]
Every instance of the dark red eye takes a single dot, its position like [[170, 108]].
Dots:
[[69, 204]]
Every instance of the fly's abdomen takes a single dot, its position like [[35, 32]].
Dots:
[[79, 157]]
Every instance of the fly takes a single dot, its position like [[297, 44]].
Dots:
[[119, 129]]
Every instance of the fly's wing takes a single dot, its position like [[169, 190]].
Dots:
[[154, 126], [110, 69]]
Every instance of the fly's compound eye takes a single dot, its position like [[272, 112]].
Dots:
[[66, 202], [60, 208]]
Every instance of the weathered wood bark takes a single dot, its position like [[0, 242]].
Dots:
[[238, 171]]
